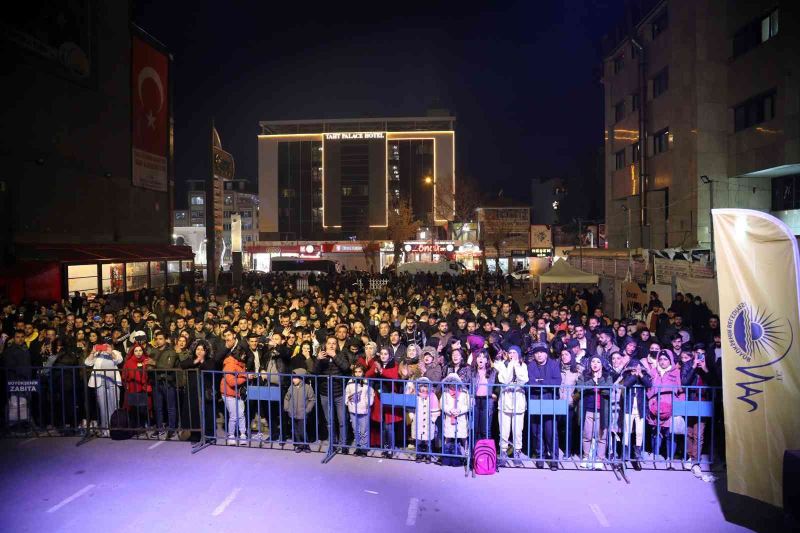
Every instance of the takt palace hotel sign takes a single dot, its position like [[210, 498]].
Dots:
[[346, 136]]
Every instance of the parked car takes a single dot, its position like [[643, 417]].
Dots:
[[521, 274]]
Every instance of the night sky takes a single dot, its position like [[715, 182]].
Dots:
[[522, 78]]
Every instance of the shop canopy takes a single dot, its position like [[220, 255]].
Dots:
[[563, 272], [100, 253]]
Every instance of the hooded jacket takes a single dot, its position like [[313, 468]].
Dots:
[[299, 399]]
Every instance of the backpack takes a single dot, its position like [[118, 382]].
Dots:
[[485, 457], [451, 448], [119, 420]]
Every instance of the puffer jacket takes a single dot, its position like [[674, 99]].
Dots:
[[512, 378], [359, 396], [659, 397], [231, 384]]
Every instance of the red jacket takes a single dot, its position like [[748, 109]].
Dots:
[[231, 383], [135, 378], [390, 415]]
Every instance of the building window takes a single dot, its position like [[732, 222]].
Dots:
[[113, 275], [136, 276], [660, 23], [755, 32], [619, 110], [661, 82], [784, 193], [635, 152], [173, 272], [754, 111], [226, 227], [287, 193], [635, 102], [158, 274], [661, 141], [82, 278], [180, 215], [198, 200], [228, 200], [619, 159], [619, 63], [347, 191]]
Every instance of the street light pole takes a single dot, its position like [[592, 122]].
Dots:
[[708, 181]]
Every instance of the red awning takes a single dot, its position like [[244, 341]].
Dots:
[[96, 253]]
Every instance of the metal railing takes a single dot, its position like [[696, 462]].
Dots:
[[603, 427]]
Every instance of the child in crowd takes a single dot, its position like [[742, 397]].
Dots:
[[359, 397], [455, 406], [423, 419], [298, 402]]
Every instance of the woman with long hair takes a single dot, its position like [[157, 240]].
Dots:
[[596, 383], [484, 379]]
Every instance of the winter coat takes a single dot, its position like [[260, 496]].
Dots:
[[136, 378], [16, 359], [233, 381], [592, 391], [659, 397], [337, 365], [390, 415], [299, 400], [568, 381], [512, 376], [635, 387], [544, 379], [105, 368], [464, 372], [455, 409], [359, 396], [424, 417]]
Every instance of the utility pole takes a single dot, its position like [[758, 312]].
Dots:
[[580, 241]]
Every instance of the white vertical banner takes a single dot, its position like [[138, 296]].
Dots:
[[757, 264], [236, 232]]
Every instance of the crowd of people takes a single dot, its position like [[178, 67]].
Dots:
[[469, 354]]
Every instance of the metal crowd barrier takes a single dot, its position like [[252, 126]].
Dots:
[[266, 410], [407, 419], [589, 427], [82, 401]]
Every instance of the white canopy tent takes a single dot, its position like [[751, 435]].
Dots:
[[563, 272]]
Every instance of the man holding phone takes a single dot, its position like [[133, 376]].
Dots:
[[696, 372]]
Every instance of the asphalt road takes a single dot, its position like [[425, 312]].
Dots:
[[49, 484]]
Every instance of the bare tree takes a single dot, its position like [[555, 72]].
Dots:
[[402, 226], [500, 230], [468, 198]]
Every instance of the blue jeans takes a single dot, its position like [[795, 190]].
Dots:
[[166, 391], [360, 425], [338, 405]]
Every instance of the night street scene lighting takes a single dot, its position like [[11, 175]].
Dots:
[[444, 266]]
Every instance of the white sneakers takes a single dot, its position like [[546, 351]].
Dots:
[[586, 464], [697, 471]]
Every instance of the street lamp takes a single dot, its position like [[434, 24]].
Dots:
[[708, 181], [428, 180]]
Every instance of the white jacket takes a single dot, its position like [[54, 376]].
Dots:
[[105, 366], [424, 417], [512, 393], [359, 396], [455, 414]]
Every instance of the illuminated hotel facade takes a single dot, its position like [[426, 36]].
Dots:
[[338, 179]]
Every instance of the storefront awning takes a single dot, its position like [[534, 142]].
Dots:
[[83, 253]]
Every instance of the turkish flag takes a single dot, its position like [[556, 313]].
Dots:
[[149, 91]]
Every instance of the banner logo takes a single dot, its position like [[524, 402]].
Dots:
[[756, 335]]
